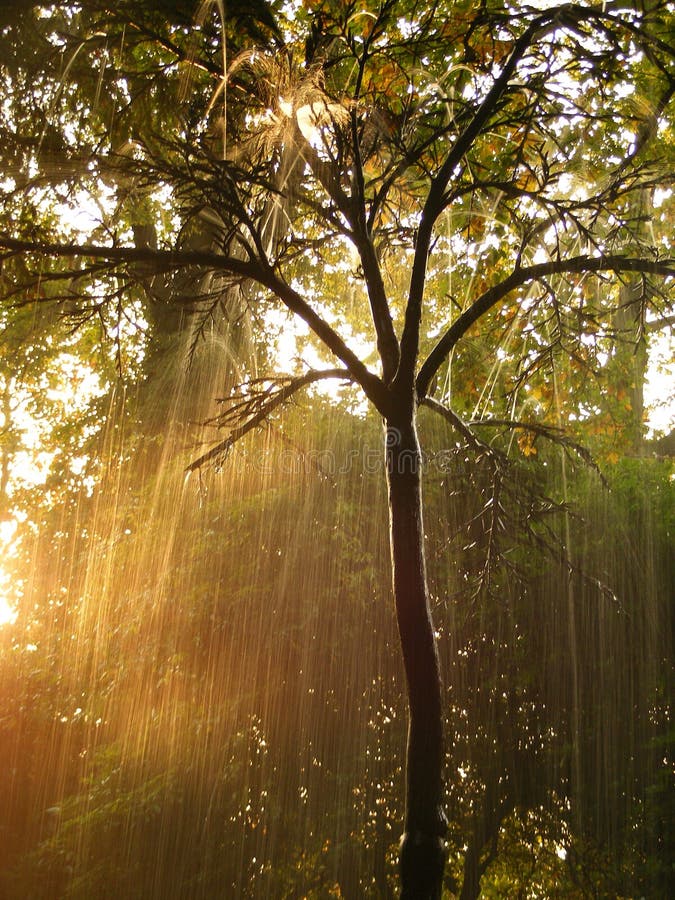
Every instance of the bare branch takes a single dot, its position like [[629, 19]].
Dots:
[[387, 342], [353, 211], [458, 424], [256, 408]]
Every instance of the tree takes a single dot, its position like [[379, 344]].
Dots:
[[463, 171]]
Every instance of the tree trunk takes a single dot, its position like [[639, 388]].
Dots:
[[422, 853], [471, 881]]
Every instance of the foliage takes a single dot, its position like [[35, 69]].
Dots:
[[464, 208]]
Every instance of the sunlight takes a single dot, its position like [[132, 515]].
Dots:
[[7, 612], [659, 382]]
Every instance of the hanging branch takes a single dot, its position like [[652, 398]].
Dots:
[[459, 425], [550, 432], [253, 404]]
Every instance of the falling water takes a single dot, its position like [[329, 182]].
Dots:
[[204, 688], [202, 694]]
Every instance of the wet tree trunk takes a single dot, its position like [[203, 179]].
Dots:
[[422, 852], [471, 882]]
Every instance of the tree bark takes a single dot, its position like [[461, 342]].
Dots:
[[422, 852], [471, 881]]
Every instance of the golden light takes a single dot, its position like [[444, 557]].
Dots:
[[7, 612]]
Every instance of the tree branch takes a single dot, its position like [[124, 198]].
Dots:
[[566, 16], [387, 342], [258, 409], [646, 133], [520, 276], [660, 323], [458, 424], [354, 213], [164, 260], [258, 271], [435, 199], [372, 385], [551, 432]]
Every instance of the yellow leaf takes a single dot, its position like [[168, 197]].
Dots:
[[526, 443]]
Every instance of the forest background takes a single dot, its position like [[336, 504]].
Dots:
[[201, 691]]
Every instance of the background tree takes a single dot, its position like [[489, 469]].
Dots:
[[480, 165]]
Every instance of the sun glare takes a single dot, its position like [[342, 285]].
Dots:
[[7, 612]]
